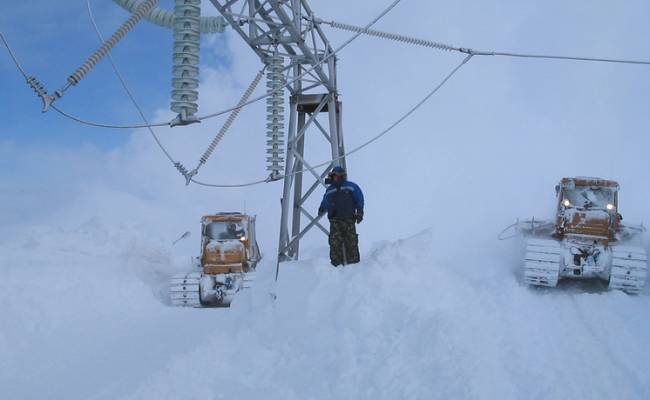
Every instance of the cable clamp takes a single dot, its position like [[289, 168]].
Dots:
[[188, 175], [184, 120], [40, 90], [273, 176], [473, 52]]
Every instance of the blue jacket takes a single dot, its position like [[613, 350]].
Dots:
[[343, 201]]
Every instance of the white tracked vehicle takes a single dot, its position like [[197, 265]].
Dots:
[[229, 255], [587, 240]]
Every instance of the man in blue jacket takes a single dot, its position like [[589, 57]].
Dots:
[[343, 203]]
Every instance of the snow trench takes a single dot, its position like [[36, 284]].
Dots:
[[85, 316]]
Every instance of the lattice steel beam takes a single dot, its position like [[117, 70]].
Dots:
[[286, 28]]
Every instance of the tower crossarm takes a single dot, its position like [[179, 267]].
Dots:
[[285, 26]]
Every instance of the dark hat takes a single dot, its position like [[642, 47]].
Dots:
[[338, 171]]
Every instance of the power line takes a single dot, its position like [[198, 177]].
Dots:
[[368, 142], [179, 166], [255, 99], [389, 36], [358, 31], [396, 37], [190, 177], [13, 56], [572, 58], [442, 46], [120, 77]]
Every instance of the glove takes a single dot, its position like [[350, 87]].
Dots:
[[359, 216], [321, 211]]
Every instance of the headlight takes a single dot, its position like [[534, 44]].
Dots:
[[243, 238], [610, 207], [566, 203]]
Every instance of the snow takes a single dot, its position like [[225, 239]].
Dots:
[[436, 309], [225, 246], [407, 322]]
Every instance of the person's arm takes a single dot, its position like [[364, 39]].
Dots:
[[323, 205], [357, 194], [358, 198]]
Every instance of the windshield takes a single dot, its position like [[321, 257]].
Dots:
[[589, 197], [224, 230]]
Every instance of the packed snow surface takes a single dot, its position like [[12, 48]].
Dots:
[[436, 311], [85, 316]]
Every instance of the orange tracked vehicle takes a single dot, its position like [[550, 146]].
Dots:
[[586, 240], [229, 254]]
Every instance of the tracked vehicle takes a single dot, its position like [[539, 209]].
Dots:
[[587, 239], [228, 257]]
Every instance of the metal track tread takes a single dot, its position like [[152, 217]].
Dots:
[[542, 262], [184, 290], [249, 278], [629, 269]]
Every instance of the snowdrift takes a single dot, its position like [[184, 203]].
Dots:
[[407, 322]]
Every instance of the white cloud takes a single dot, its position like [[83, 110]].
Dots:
[[493, 142]]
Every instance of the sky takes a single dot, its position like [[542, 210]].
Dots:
[[88, 215], [490, 146]]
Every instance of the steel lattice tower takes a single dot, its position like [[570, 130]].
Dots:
[[279, 30]]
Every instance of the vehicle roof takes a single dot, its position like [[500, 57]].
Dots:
[[589, 181], [224, 216]]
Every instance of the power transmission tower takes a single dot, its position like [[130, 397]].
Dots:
[[279, 30]]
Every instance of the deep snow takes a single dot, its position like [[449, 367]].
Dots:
[[86, 232], [84, 317]]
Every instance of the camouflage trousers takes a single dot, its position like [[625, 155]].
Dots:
[[344, 242]]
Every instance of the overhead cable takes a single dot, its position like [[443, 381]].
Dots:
[[189, 175], [441, 46], [229, 121], [573, 58], [213, 144], [366, 143], [387, 35], [108, 44], [254, 100], [93, 59], [128, 92]]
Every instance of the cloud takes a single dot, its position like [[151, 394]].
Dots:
[[487, 149]]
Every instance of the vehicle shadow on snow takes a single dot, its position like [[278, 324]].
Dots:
[[568, 286], [573, 286]]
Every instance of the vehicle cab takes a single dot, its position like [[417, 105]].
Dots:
[[588, 208]]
